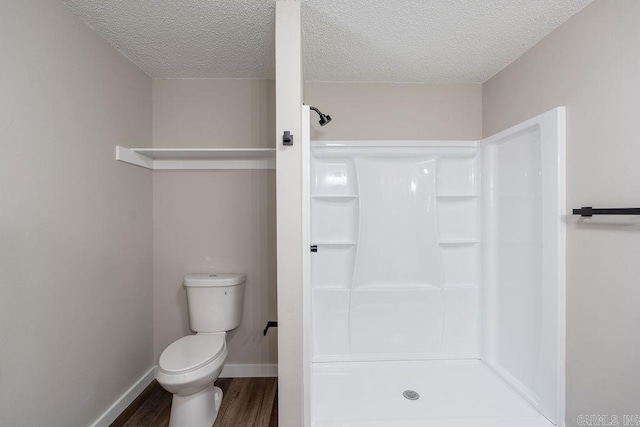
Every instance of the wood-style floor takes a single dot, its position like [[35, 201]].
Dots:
[[247, 402]]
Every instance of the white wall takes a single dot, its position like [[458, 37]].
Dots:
[[591, 65], [215, 221], [209, 113], [396, 110], [75, 225]]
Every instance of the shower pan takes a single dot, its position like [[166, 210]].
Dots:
[[434, 280]]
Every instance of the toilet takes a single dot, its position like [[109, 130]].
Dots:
[[190, 365]]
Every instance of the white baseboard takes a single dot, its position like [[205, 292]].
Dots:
[[229, 371], [246, 371], [125, 400]]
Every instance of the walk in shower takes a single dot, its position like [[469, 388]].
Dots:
[[434, 280]]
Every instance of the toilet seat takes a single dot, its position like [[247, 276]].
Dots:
[[191, 353]]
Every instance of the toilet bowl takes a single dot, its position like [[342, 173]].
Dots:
[[190, 365], [188, 369]]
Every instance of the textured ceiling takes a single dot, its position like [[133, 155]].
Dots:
[[432, 41], [187, 38]]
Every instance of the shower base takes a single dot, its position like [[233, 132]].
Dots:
[[452, 393]]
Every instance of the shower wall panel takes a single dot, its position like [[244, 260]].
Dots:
[[398, 237], [523, 259], [396, 273]]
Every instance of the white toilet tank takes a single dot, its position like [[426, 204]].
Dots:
[[215, 301]]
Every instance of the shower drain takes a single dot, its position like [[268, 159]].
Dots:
[[411, 395]]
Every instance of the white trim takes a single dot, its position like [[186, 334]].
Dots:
[[228, 164], [393, 357], [248, 371], [118, 407], [462, 149], [393, 143], [562, 262], [306, 265], [158, 153]]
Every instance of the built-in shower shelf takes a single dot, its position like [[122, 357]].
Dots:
[[456, 196], [198, 158], [461, 242], [336, 198], [398, 287], [460, 286], [335, 243]]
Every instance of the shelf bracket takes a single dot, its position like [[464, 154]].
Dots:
[[124, 154]]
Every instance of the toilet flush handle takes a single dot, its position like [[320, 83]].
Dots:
[[270, 324]]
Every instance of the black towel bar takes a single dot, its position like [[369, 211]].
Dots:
[[589, 211]]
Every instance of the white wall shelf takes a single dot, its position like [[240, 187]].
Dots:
[[198, 158]]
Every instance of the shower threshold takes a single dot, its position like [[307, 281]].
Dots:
[[452, 393]]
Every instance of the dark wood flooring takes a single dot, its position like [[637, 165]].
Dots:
[[247, 402]]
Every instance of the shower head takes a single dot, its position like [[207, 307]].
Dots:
[[324, 118]]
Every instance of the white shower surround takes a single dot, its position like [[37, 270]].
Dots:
[[424, 271], [397, 230]]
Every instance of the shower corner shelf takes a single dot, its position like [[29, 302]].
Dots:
[[458, 242], [198, 158], [336, 243], [456, 196], [335, 197]]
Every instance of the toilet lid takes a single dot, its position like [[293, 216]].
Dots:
[[191, 352]]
